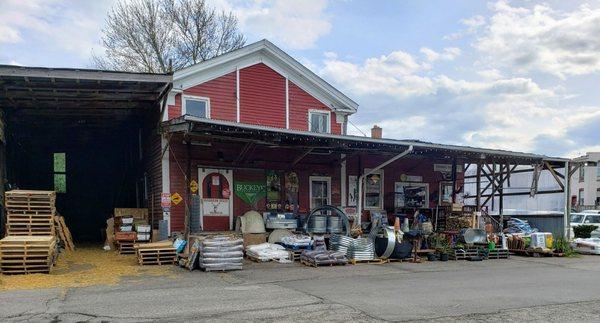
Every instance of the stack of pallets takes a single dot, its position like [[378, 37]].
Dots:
[[30, 213], [156, 253], [27, 254]]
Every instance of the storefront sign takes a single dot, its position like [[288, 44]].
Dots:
[[446, 168], [411, 178], [165, 200], [193, 187], [176, 198], [215, 207], [250, 192]]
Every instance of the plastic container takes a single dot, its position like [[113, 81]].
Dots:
[[541, 240]]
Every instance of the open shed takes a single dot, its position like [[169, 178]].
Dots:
[[88, 134]]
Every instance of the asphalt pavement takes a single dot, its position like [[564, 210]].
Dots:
[[518, 289]]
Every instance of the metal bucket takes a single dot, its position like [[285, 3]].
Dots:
[[334, 224], [317, 224], [471, 236]]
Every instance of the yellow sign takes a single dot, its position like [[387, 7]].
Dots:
[[176, 198], [194, 186]]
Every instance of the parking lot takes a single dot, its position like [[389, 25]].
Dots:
[[524, 289]]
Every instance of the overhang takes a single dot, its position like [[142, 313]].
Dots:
[[40, 94], [230, 131]]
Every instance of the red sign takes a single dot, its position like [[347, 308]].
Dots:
[[165, 200], [226, 193]]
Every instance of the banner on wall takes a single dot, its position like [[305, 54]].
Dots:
[[273, 189], [215, 207], [250, 192]]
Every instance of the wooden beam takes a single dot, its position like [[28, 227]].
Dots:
[[299, 158], [553, 172]]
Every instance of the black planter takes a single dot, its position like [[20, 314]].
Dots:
[[431, 257]]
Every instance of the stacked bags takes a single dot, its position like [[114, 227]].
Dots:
[[221, 253]]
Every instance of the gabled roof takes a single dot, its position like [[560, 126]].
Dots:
[[265, 52]]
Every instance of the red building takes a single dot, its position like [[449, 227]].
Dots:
[[254, 129]]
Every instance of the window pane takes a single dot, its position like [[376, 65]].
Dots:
[[60, 162], [319, 122], [196, 108], [60, 183]]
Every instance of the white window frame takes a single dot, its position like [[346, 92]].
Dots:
[[317, 111], [318, 179], [184, 98], [381, 190]]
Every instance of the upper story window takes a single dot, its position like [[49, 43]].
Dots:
[[196, 106], [319, 121], [582, 173]]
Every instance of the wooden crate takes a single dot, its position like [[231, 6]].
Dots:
[[30, 212], [33, 201], [27, 254], [133, 212]]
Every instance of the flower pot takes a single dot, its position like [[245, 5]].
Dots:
[[443, 257], [431, 257]]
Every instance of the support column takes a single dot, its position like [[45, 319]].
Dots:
[[478, 187], [567, 213], [343, 177]]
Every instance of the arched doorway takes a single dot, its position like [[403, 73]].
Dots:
[[216, 212]]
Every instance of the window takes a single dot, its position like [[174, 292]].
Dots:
[[320, 191], [592, 219], [318, 121], [373, 190], [60, 172], [196, 106], [598, 196], [582, 173], [598, 171], [580, 197]]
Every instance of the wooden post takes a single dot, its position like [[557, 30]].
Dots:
[[453, 180]]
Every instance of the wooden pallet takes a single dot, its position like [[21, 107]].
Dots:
[[465, 254], [372, 261], [311, 264], [27, 254], [157, 253], [535, 253], [64, 233], [295, 254], [126, 247]]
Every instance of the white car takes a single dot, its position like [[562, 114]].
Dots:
[[588, 217]]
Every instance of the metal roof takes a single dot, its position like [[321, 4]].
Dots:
[[238, 131]]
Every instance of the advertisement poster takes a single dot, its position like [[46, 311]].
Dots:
[[273, 190], [250, 192], [292, 185]]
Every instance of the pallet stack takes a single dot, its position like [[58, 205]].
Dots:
[[27, 254], [30, 213], [64, 233], [157, 253]]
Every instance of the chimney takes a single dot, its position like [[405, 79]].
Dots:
[[376, 132]]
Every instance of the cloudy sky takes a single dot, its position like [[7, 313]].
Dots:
[[517, 75]]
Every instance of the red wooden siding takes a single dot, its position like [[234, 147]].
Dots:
[[262, 96], [175, 110], [221, 92], [300, 103]]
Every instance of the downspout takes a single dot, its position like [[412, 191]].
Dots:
[[362, 178]]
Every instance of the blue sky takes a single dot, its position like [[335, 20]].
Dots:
[[516, 75]]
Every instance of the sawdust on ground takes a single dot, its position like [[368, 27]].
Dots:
[[86, 266]]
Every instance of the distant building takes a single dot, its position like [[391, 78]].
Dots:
[[585, 184]]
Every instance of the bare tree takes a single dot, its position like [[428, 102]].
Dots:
[[149, 35]]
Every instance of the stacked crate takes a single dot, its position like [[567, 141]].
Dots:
[[30, 213], [27, 254]]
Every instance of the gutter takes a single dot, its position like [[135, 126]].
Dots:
[[361, 179]]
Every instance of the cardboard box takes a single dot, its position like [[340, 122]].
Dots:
[[457, 207], [251, 239]]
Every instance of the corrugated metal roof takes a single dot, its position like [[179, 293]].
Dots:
[[417, 144]]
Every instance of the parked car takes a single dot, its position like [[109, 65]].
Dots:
[[588, 217]]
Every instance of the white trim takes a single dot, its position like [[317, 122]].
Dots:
[[317, 111], [380, 172], [185, 97], [287, 103], [237, 94], [320, 179], [265, 52], [166, 180], [344, 196], [228, 174]]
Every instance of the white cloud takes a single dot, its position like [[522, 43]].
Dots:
[[449, 53], [295, 23], [397, 92], [473, 23], [543, 39], [64, 25]]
